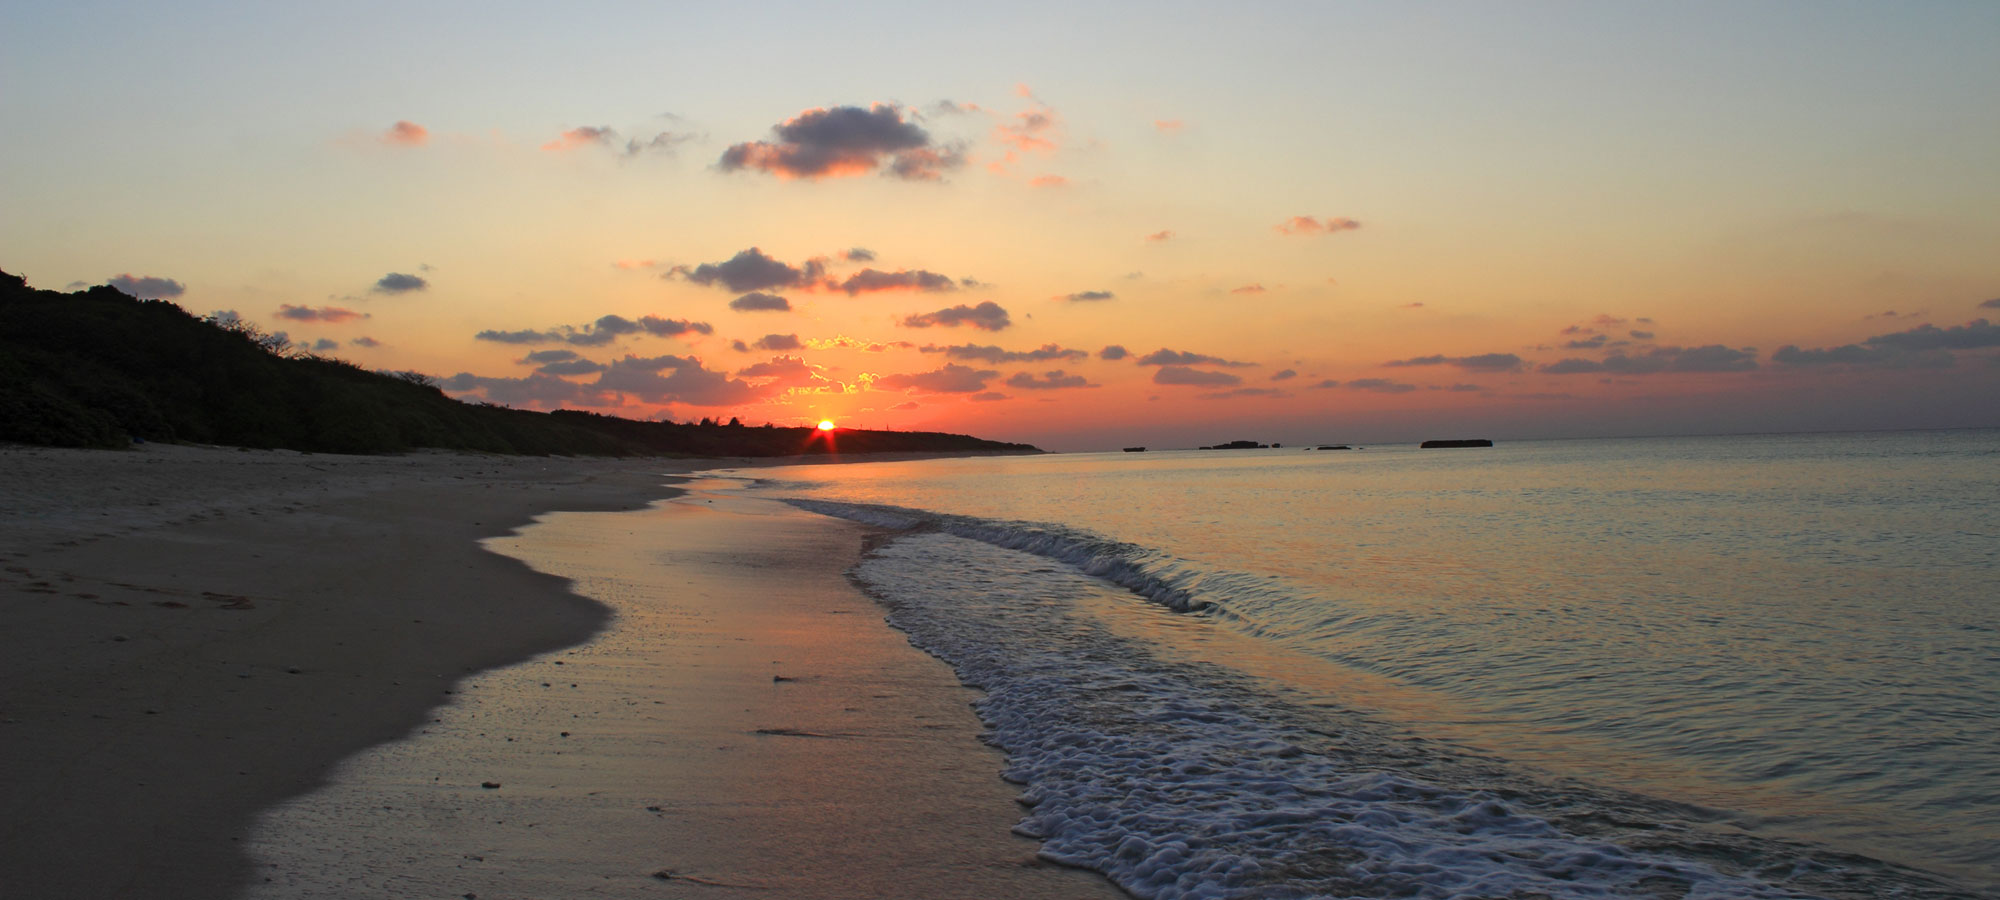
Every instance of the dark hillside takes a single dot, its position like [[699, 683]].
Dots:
[[99, 368]]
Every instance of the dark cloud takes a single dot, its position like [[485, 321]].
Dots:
[[785, 370], [858, 254], [406, 134], [319, 314], [147, 287], [1197, 377], [1165, 357], [601, 136], [399, 283], [1304, 225], [845, 141], [689, 382], [751, 270], [951, 379], [1711, 358], [1283, 374], [1972, 335], [987, 316], [1990, 304], [988, 397], [534, 390], [759, 301], [365, 341], [868, 281], [658, 327], [571, 367], [1641, 335], [1113, 352], [1048, 381], [1464, 388], [778, 342], [1088, 296], [323, 345], [664, 142], [541, 357], [1328, 383], [991, 354], [1484, 362], [1590, 343], [1243, 392], [1380, 385], [524, 336]]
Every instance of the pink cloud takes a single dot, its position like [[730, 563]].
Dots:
[[1158, 237], [1048, 181], [1168, 126], [320, 314], [406, 134], [574, 138], [630, 264], [1249, 289], [1304, 225]]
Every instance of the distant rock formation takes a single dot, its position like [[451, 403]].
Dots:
[[1239, 445], [1445, 445], [1135, 449]]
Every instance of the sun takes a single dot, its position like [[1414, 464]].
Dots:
[[826, 424]]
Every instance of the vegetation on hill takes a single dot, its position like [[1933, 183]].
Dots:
[[99, 368]]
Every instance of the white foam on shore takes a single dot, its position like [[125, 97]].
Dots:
[[1181, 780]]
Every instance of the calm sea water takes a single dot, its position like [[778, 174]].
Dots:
[[1718, 666]]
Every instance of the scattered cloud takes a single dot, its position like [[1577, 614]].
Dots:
[[1857, 355], [1484, 362], [1160, 237], [147, 287], [1417, 305], [1464, 388], [843, 342], [630, 264], [1052, 380], [1166, 357], [584, 136], [321, 314], [858, 254], [1307, 225], [1380, 385], [758, 300], [845, 141], [406, 133], [778, 342], [543, 357], [1031, 131], [991, 354], [1088, 296], [324, 345], [1590, 343], [1249, 289], [952, 378], [788, 371], [1641, 335], [1197, 377], [1168, 126], [1970, 336], [750, 270], [365, 341], [1113, 352], [1711, 358], [1048, 181], [1328, 383], [907, 404], [571, 367], [1990, 304], [988, 397], [987, 316], [524, 336], [1284, 374], [869, 281], [546, 391], [1244, 392], [690, 383], [399, 283]]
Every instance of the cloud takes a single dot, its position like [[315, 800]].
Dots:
[[757, 300], [988, 397], [1160, 237], [1380, 385], [843, 342], [323, 345], [778, 342], [1305, 225], [869, 281], [987, 316], [534, 390], [1328, 383], [791, 371], [1168, 126], [321, 314], [1244, 392], [1284, 374], [147, 287], [991, 354], [399, 283], [1048, 181], [1990, 304], [664, 142], [845, 141], [1049, 381], [630, 264], [1465, 388], [1417, 305], [365, 341], [1590, 343], [1484, 362], [584, 136], [524, 336], [1198, 377], [1088, 296], [1249, 289], [1972, 335], [1032, 131], [1113, 352], [952, 378], [690, 383], [1641, 335], [751, 270], [1711, 358], [1165, 357], [858, 254], [406, 134], [654, 325], [571, 367], [907, 404], [540, 357]]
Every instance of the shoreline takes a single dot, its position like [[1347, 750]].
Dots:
[[195, 637]]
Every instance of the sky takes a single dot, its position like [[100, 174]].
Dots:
[[1083, 226]]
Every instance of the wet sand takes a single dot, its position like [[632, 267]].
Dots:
[[190, 636]]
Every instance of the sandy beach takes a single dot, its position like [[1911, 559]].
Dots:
[[195, 638]]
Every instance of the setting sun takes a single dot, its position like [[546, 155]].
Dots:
[[826, 424]]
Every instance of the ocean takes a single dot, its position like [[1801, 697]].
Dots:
[[1741, 666]]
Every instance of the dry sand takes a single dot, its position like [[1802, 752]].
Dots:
[[190, 636]]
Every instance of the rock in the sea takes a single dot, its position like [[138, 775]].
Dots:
[[1444, 445]]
